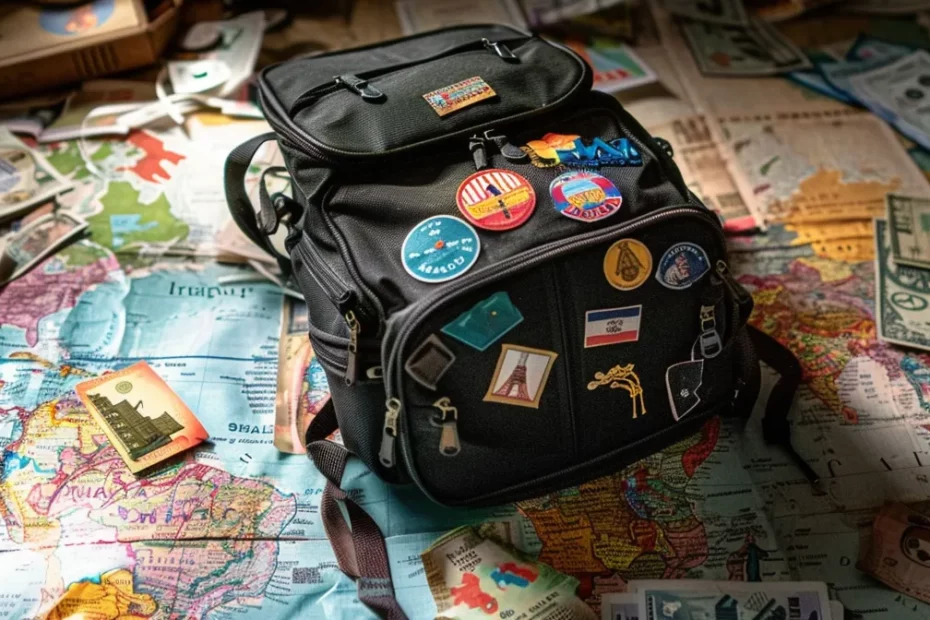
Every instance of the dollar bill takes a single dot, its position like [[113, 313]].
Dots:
[[909, 228], [727, 12], [899, 92], [902, 296], [754, 49], [144, 419], [621, 606], [26, 178], [736, 600], [899, 552], [473, 574], [37, 240]]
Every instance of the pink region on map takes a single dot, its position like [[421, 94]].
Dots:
[[28, 300], [151, 166]]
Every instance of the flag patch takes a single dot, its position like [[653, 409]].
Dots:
[[611, 326]]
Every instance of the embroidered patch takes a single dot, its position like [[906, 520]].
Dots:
[[460, 95], [585, 196], [486, 322], [624, 378], [429, 362], [683, 380], [520, 376], [611, 326], [440, 248], [682, 265], [496, 199], [554, 149], [627, 264]]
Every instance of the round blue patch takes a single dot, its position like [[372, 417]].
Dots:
[[682, 265], [440, 248], [82, 19], [584, 196]]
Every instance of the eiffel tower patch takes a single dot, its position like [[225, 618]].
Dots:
[[520, 376]]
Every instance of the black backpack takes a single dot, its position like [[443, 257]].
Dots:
[[510, 287]]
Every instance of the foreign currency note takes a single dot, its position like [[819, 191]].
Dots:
[[726, 12], [472, 574], [754, 49], [902, 296], [144, 419], [296, 402], [909, 227], [621, 606], [422, 15], [37, 240], [899, 92], [737, 600], [26, 178], [899, 553]]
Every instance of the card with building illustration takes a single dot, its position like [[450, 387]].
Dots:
[[143, 418], [520, 376]]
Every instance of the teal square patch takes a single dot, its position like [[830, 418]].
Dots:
[[486, 322]]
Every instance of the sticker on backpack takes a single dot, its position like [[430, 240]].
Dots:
[[496, 199], [555, 149], [520, 376], [440, 248], [585, 196], [682, 265], [611, 326], [448, 99], [486, 322], [622, 377], [627, 264]]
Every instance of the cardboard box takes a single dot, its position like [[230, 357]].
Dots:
[[43, 48]]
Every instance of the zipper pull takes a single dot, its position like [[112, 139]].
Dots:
[[360, 87], [355, 329], [735, 287], [479, 154], [449, 438], [711, 343], [386, 454], [500, 49], [509, 151]]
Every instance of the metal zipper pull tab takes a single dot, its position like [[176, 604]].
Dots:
[[479, 153], [508, 150], [449, 437], [386, 454], [360, 87], [727, 276], [500, 49], [711, 343], [355, 329]]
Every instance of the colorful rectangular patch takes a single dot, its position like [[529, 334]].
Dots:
[[459, 95], [611, 326]]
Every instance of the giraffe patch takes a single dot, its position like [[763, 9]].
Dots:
[[520, 376], [622, 377]]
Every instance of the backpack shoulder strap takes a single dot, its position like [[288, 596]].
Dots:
[[776, 429], [272, 208], [359, 544]]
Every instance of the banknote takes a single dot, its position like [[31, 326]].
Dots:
[[753, 49], [473, 574], [621, 606], [727, 12], [902, 296], [899, 553], [735, 600], [145, 421], [40, 238], [297, 401], [899, 92], [26, 178], [909, 228]]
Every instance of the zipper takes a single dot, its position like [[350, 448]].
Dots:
[[520, 262], [354, 330], [337, 291], [449, 444], [566, 370], [358, 82], [284, 125], [478, 146], [391, 415]]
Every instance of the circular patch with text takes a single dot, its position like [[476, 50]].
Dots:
[[440, 248], [585, 196], [496, 199]]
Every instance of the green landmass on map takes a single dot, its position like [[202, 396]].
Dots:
[[82, 254], [68, 160], [123, 199]]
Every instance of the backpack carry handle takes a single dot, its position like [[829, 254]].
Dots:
[[257, 227]]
